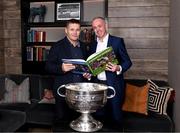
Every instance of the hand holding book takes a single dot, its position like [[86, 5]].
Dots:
[[112, 67], [67, 67], [95, 63]]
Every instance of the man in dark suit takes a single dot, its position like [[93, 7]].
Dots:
[[68, 48], [113, 76]]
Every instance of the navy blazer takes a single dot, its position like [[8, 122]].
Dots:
[[61, 50], [117, 81], [120, 51]]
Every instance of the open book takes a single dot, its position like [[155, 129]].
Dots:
[[95, 63]]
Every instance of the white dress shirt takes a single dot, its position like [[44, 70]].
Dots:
[[101, 45]]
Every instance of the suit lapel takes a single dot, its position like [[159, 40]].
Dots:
[[94, 47], [109, 41]]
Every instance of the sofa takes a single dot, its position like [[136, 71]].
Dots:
[[37, 111], [154, 118], [36, 114]]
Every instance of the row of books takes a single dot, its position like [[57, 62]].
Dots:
[[87, 35], [37, 53], [36, 36]]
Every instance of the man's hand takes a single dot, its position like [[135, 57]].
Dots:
[[67, 67], [112, 67], [87, 76]]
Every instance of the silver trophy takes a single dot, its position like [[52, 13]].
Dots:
[[86, 98]]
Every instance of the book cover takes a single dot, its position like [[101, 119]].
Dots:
[[95, 63], [80, 64]]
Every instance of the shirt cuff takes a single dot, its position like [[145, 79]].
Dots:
[[120, 70]]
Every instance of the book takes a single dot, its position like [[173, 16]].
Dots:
[[95, 63]]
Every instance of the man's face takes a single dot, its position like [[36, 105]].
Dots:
[[99, 27], [73, 32]]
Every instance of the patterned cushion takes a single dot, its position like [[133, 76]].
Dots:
[[158, 98], [136, 99], [16, 93]]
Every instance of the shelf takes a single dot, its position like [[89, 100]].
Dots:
[[38, 37], [54, 24], [40, 43]]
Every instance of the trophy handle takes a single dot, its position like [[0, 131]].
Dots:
[[112, 88], [62, 86]]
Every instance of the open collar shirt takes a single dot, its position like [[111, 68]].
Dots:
[[101, 45]]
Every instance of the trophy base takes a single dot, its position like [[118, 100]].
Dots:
[[86, 123]]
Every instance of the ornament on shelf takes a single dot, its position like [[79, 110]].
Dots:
[[37, 11]]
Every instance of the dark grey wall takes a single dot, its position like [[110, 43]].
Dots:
[[174, 57]]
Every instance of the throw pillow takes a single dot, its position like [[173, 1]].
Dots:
[[158, 98], [48, 97], [136, 99], [16, 93]]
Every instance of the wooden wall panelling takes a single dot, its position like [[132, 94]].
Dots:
[[146, 74], [138, 11], [115, 3], [139, 22], [160, 33], [148, 54], [2, 65], [12, 34], [150, 64], [144, 24], [148, 43]]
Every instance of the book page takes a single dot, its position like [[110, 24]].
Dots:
[[97, 53], [80, 65], [100, 53], [74, 61], [93, 55]]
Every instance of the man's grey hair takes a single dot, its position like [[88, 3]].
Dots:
[[104, 19]]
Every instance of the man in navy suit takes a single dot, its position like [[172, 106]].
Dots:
[[113, 76], [68, 48]]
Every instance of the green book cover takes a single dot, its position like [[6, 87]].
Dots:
[[95, 63]]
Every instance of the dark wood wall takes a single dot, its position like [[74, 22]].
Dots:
[[1, 39], [12, 36], [144, 24]]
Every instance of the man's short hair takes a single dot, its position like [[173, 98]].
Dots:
[[72, 21], [98, 18], [104, 19]]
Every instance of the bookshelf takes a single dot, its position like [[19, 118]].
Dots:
[[42, 24]]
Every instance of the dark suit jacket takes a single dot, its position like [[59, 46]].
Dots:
[[117, 81], [61, 50], [58, 51]]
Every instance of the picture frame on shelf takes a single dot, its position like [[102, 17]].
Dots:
[[66, 11]]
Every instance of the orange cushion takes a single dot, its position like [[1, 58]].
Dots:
[[136, 99]]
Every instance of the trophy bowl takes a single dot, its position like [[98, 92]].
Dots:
[[86, 98]]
